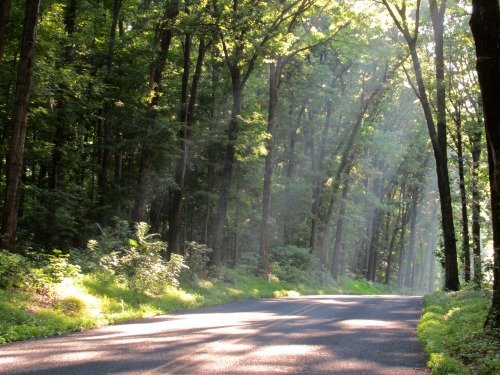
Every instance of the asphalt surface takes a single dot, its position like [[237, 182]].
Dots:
[[303, 335]]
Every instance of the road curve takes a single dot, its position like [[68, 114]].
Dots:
[[303, 335]]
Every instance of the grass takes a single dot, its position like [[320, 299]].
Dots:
[[95, 300], [451, 332]]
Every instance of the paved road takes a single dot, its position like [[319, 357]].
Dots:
[[305, 335]]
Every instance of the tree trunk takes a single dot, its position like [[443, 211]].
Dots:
[[405, 217], [274, 86], [157, 69], [463, 200], [319, 182], [5, 9], [410, 262], [440, 151], [476, 206], [186, 118], [105, 140], [229, 159], [287, 216], [340, 227], [431, 243], [20, 119], [391, 248], [437, 136], [485, 26]]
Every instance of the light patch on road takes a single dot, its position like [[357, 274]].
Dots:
[[284, 350], [364, 323], [70, 357]]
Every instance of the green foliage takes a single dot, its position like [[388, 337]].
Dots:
[[451, 332], [39, 272], [14, 269], [297, 265], [141, 263], [197, 259], [57, 267], [291, 263]]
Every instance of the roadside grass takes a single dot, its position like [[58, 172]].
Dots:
[[100, 299], [451, 333]]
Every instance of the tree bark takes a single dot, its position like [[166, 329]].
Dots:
[[463, 202], [340, 227], [410, 262], [485, 26], [274, 86], [20, 119], [229, 159], [476, 206], [5, 9], [287, 216]]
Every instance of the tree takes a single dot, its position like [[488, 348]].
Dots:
[[485, 26], [165, 34], [436, 128], [243, 44], [4, 24], [20, 119]]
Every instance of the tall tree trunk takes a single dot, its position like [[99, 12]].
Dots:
[[229, 159], [475, 145], [391, 247], [405, 218], [340, 227], [451, 265], [485, 26], [410, 262], [5, 9], [157, 70], [20, 119], [274, 86], [318, 168], [287, 216], [377, 191], [463, 201], [61, 124], [437, 134], [105, 140], [431, 243], [186, 117]]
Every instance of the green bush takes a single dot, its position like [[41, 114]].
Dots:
[[197, 259], [295, 264], [141, 264], [14, 269], [36, 271]]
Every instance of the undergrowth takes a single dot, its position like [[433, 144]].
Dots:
[[98, 299], [451, 332]]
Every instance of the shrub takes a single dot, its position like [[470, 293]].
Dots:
[[141, 264], [249, 263], [292, 264], [197, 259], [14, 269], [36, 271]]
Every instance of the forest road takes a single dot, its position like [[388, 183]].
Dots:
[[302, 335]]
